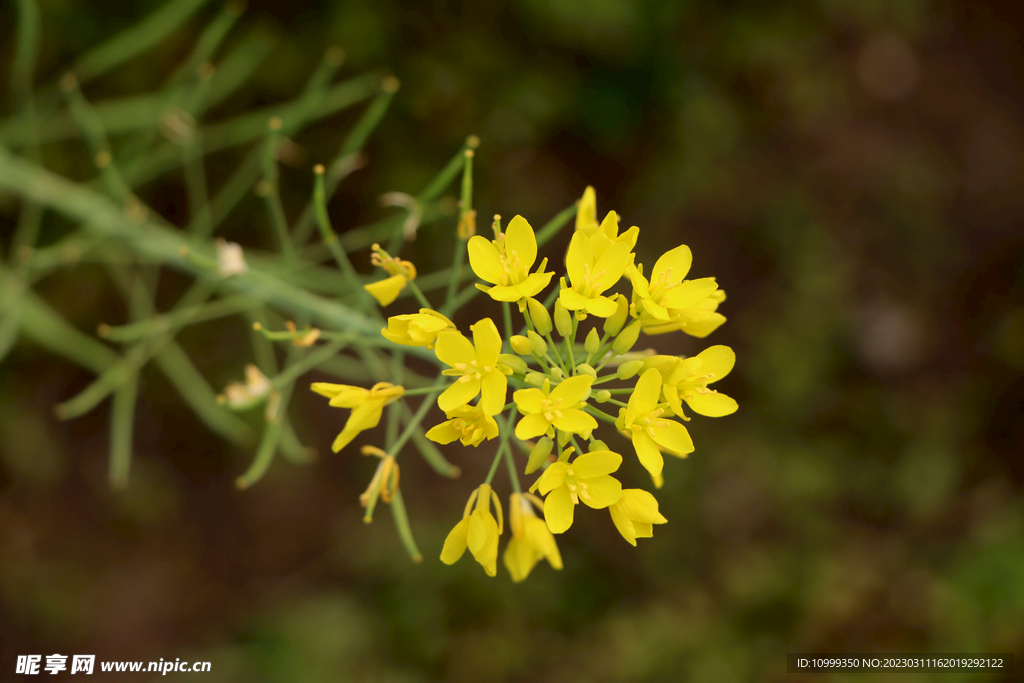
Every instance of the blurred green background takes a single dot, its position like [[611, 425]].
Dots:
[[851, 171]]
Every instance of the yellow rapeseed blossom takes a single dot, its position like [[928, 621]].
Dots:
[[367, 406], [386, 291], [531, 538], [506, 263], [651, 434], [635, 513], [690, 379], [469, 424], [586, 213], [591, 274], [546, 409], [587, 478], [478, 530], [476, 366], [662, 299], [417, 329]]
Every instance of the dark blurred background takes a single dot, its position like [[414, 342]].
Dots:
[[851, 171]]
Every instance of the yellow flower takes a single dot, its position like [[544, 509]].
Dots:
[[698, 321], [417, 329], [386, 291], [660, 300], [586, 478], [506, 263], [690, 379], [468, 424], [635, 513], [367, 405], [477, 531], [531, 538], [476, 366], [546, 409], [642, 421], [591, 274]]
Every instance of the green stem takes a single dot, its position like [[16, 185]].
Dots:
[[599, 414], [552, 227], [503, 444], [122, 419]]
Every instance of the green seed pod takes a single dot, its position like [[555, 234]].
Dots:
[[593, 342], [521, 345], [584, 369], [602, 396], [627, 338], [563, 321], [539, 454], [540, 347], [540, 316], [628, 369], [613, 324], [517, 364]]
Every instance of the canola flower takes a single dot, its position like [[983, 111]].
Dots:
[[563, 388]]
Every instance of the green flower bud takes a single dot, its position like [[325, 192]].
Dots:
[[557, 373], [540, 347], [563, 321], [521, 345], [629, 369], [593, 342], [539, 454], [602, 396], [598, 445], [663, 364], [627, 338], [536, 379], [584, 369], [517, 364], [613, 323], [540, 316]]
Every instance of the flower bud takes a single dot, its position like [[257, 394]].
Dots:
[[584, 369], [540, 316], [563, 321], [598, 445], [521, 345], [539, 454], [613, 324], [627, 338], [628, 369], [593, 341], [540, 347], [536, 379], [515, 363], [663, 364], [557, 373], [602, 396]]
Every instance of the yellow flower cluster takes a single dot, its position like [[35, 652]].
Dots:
[[562, 389]]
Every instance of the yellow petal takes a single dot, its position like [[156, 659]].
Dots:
[[493, 390], [519, 559], [689, 293], [534, 284], [443, 433], [572, 299], [603, 491], [596, 464], [623, 524], [674, 438], [453, 347], [484, 259], [717, 360], [579, 254], [647, 452], [601, 306], [487, 342], [551, 478], [644, 398], [711, 405], [519, 238], [573, 389], [386, 291], [456, 542], [531, 426], [641, 506], [575, 421], [528, 400], [678, 260], [558, 510], [458, 394], [539, 536], [586, 212]]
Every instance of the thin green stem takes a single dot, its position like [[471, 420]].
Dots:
[[502, 444], [418, 294], [122, 420], [599, 414]]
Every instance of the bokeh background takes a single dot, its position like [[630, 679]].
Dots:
[[851, 171]]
